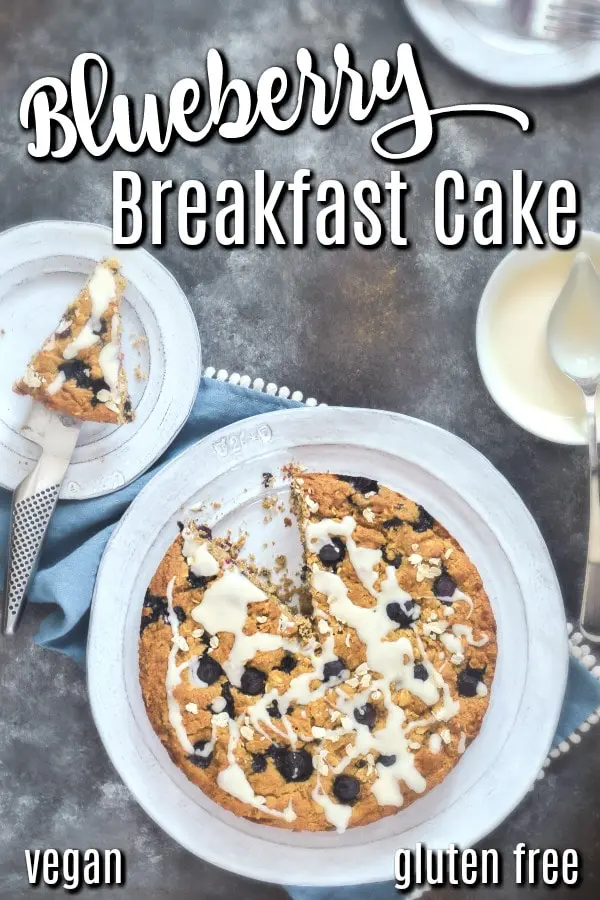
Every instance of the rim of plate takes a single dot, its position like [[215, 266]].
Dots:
[[116, 457], [553, 66], [486, 493]]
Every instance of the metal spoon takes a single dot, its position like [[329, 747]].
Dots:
[[574, 343]]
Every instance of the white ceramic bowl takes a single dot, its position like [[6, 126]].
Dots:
[[549, 268]]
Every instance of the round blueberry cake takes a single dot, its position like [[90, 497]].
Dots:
[[338, 717]]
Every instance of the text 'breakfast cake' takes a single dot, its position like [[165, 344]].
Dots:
[[79, 369], [339, 717]]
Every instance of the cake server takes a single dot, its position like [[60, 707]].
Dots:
[[33, 503]]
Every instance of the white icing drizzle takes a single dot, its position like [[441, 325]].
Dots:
[[452, 643], [55, 386], [394, 659], [224, 607], [86, 338], [244, 649], [450, 708], [337, 814], [459, 595], [102, 288], [320, 533], [462, 743], [365, 562], [174, 676], [193, 675], [421, 723], [467, 631], [364, 559], [299, 690], [258, 715], [198, 557], [233, 780], [390, 592], [386, 789]]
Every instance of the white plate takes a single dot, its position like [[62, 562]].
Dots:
[[534, 276], [42, 268], [463, 490], [482, 43]]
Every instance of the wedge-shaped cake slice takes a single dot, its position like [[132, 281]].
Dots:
[[79, 370]]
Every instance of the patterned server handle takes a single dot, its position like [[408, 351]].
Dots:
[[30, 515]]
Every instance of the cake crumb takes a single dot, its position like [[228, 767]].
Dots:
[[304, 628], [138, 341]]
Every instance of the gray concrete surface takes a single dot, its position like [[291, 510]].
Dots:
[[385, 328]]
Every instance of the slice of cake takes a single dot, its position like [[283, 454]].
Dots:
[[79, 370]]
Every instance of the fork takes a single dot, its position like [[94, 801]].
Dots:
[[555, 20]]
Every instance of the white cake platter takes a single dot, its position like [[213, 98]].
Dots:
[[43, 266], [219, 481], [481, 40]]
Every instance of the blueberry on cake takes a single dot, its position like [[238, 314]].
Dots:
[[340, 717], [79, 370]]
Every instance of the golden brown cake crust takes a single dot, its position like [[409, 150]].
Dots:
[[76, 385], [322, 757]]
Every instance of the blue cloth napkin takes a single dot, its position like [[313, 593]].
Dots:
[[80, 529]]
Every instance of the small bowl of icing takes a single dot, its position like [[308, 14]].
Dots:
[[512, 346]]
